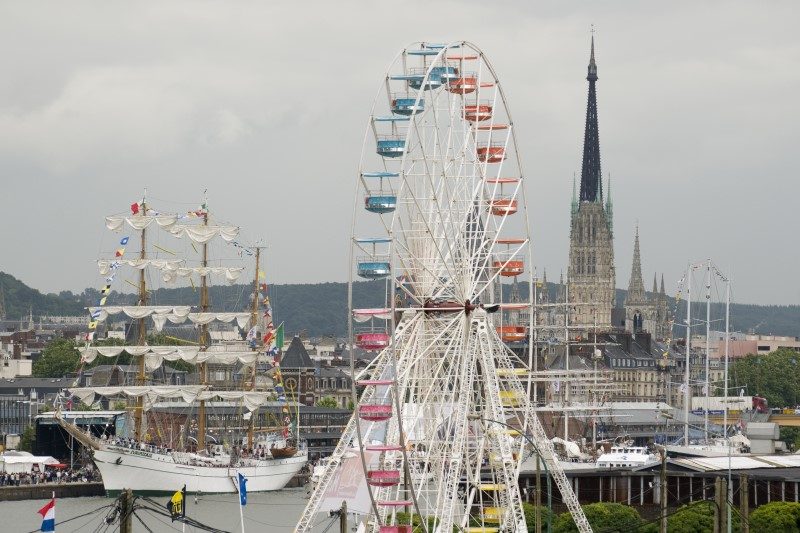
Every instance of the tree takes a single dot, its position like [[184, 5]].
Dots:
[[58, 358], [530, 516], [775, 376], [692, 518], [328, 401], [606, 517], [697, 517], [776, 516], [791, 436], [27, 439]]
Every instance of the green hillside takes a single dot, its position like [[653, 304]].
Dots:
[[321, 308]]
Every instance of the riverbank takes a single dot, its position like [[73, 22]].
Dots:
[[44, 491]]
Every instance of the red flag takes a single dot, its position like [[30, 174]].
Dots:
[[135, 208]]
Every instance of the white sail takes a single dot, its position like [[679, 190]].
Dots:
[[171, 269], [140, 222], [251, 400], [156, 355], [202, 234], [160, 314], [105, 265]]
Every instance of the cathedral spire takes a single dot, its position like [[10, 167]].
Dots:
[[662, 284], [655, 286], [591, 176], [636, 292]]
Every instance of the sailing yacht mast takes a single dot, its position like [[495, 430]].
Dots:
[[140, 377], [687, 393], [708, 349]]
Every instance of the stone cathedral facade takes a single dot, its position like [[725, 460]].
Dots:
[[591, 278]]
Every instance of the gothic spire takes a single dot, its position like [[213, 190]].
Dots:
[[636, 286], [655, 286], [591, 177], [662, 284]]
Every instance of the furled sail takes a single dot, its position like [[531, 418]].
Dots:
[[251, 400], [202, 234], [156, 355], [171, 269], [140, 222], [160, 314]]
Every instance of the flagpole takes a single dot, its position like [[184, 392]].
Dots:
[[241, 511]]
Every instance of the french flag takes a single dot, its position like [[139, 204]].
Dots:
[[48, 513]]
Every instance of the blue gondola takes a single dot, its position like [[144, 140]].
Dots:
[[380, 203], [374, 269], [391, 146], [407, 106], [380, 174], [445, 73]]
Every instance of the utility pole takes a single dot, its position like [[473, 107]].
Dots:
[[126, 511], [662, 490], [720, 498], [343, 517], [744, 502]]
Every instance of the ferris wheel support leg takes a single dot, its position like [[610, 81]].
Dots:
[[306, 522], [510, 499], [457, 461], [547, 453]]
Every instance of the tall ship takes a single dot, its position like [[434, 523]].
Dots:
[[169, 444]]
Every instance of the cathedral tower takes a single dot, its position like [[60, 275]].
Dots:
[[590, 274]]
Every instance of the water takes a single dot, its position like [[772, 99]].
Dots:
[[266, 511]]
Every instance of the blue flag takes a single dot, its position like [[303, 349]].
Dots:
[[242, 490]]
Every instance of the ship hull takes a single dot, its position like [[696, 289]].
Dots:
[[141, 471]]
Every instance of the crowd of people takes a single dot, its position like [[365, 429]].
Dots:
[[77, 475]]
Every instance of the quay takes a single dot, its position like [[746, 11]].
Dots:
[[44, 491]]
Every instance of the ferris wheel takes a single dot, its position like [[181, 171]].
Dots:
[[442, 416]]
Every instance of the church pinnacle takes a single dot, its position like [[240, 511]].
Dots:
[[636, 292], [591, 176]]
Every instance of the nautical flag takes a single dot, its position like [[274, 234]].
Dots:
[[279, 337], [120, 252], [93, 324], [242, 489], [105, 290], [135, 208], [251, 335], [103, 300], [175, 504], [48, 513], [124, 241]]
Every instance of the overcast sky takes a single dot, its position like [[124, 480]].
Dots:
[[264, 104]]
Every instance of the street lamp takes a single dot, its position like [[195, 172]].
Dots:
[[539, 456]]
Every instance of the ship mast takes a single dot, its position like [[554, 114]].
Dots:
[[142, 340], [254, 322], [204, 306]]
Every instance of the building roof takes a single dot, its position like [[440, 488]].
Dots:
[[331, 372], [296, 356]]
